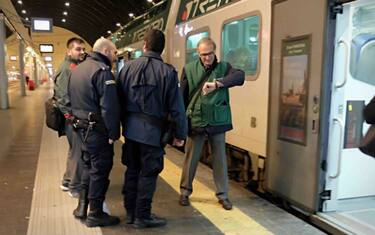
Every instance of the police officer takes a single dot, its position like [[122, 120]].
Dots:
[[95, 107], [75, 54], [204, 85], [149, 92]]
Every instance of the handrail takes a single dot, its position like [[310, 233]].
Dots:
[[338, 171], [346, 44]]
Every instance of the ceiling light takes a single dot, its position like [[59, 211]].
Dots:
[[67, 4], [24, 11], [27, 18], [19, 2], [63, 20], [109, 31], [65, 13], [118, 25], [131, 15]]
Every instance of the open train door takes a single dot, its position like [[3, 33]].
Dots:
[[350, 174], [297, 52]]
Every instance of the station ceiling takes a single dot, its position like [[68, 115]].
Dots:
[[90, 19]]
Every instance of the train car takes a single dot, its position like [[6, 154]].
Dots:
[[308, 76]]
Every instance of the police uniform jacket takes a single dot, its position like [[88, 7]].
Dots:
[[369, 112], [92, 88], [153, 92]]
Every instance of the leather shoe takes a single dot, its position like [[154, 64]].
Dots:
[[129, 219], [184, 200], [227, 205], [151, 222]]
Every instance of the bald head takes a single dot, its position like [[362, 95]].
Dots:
[[106, 47]]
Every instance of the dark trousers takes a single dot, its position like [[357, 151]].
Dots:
[[144, 163], [97, 160]]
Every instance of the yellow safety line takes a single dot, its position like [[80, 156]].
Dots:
[[204, 200]]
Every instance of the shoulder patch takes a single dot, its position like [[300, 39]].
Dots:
[[110, 82]]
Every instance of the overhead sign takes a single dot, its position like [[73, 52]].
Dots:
[[190, 9], [46, 48], [41, 25]]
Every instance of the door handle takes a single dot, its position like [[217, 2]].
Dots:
[[346, 45], [338, 170]]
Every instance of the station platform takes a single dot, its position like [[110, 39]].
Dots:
[[33, 160]]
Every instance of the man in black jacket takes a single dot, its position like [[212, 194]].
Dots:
[[94, 104], [149, 92]]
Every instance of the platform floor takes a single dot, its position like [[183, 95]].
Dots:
[[32, 162]]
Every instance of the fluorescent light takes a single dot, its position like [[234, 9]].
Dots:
[[63, 20], [27, 18], [118, 24], [23, 11], [65, 13], [131, 15], [67, 4], [109, 31], [19, 2]]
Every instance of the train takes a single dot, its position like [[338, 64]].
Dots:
[[298, 118]]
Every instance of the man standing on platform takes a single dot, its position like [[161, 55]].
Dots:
[[149, 93], [75, 54], [95, 108], [204, 85]]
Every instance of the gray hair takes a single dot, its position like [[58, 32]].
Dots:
[[103, 43], [207, 40]]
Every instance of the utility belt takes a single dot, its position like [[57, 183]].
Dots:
[[88, 123]]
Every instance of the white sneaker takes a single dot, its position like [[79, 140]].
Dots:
[[64, 187], [73, 194]]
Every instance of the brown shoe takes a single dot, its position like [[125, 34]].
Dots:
[[184, 200], [227, 205]]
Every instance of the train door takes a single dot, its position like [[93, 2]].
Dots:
[[295, 86], [350, 175]]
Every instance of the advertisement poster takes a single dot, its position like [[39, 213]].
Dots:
[[293, 89]]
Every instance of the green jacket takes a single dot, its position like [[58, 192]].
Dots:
[[61, 80], [212, 109]]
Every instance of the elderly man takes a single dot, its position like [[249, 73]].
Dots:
[[95, 108], [75, 55], [204, 85]]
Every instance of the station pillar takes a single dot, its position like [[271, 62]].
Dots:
[[4, 99]]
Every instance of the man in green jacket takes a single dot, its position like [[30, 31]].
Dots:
[[204, 85], [75, 54]]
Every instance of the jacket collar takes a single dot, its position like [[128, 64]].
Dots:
[[100, 57], [152, 54], [70, 60]]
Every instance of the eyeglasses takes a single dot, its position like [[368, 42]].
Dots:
[[207, 54]]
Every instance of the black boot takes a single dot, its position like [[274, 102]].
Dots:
[[97, 217], [81, 211], [150, 222]]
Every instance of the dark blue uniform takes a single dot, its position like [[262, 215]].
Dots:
[[146, 85], [92, 89]]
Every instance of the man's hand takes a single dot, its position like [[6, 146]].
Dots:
[[110, 141], [209, 87], [178, 142]]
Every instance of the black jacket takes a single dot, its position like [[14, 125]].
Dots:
[[369, 112], [92, 88], [154, 92]]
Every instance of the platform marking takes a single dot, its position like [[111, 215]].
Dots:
[[229, 222]]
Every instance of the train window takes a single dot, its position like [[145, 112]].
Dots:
[[240, 44], [363, 44], [191, 45]]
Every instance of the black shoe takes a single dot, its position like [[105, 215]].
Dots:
[[151, 222], [101, 220], [97, 217], [81, 211], [129, 219], [184, 200], [227, 205]]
